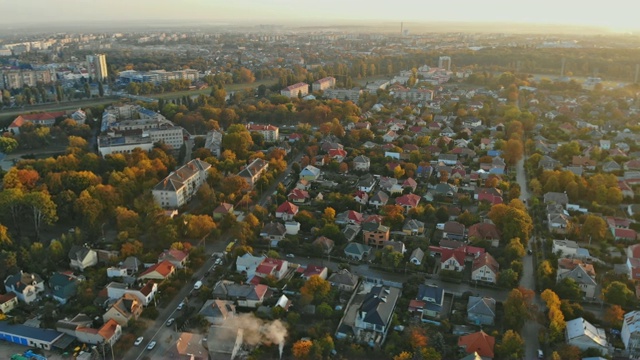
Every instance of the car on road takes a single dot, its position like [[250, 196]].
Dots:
[[197, 285], [529, 251], [151, 345], [540, 354], [170, 321], [180, 306], [138, 341], [218, 261], [290, 255]]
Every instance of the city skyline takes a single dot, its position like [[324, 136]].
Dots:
[[564, 13]]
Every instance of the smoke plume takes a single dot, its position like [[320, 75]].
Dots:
[[257, 331]]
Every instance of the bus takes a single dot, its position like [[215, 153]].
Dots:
[[230, 246]]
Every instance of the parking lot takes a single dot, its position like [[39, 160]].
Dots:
[[8, 349]]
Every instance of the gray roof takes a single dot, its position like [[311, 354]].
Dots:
[[357, 249], [79, 253], [378, 305], [418, 254], [20, 280], [252, 169], [556, 197], [232, 290], [274, 229], [379, 197], [343, 277], [481, 306], [176, 179]]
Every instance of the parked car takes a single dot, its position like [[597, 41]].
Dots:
[[218, 261], [138, 341], [197, 285], [180, 306], [170, 321], [290, 255], [151, 345], [540, 354]]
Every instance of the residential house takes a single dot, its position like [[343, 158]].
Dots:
[[273, 231], [177, 258], [409, 184], [80, 328], [46, 119], [549, 163], [160, 271], [343, 280], [272, 267], [428, 303], [390, 136], [485, 231], [247, 264], [584, 161], [583, 335], [492, 195], [361, 163], [82, 257], [244, 295], [366, 183], [611, 166], [315, 270], [453, 230], [416, 257], [630, 332], [350, 232], [376, 311], [452, 260], [324, 243], [583, 274], [222, 210], [397, 246], [633, 262], [252, 172], [217, 311], [286, 211], [357, 251], [556, 198], [408, 201], [8, 302], [361, 197], [26, 286], [413, 227], [337, 154], [448, 159], [621, 234], [375, 234], [63, 286], [145, 294], [298, 196], [379, 199], [125, 309], [481, 310], [310, 173], [478, 342], [485, 268], [349, 217], [387, 183], [181, 185]]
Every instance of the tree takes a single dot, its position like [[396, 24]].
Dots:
[[594, 228], [324, 310], [517, 308], [614, 315], [7, 144], [617, 293], [391, 258], [5, 239], [131, 248], [568, 288], [557, 323], [329, 215], [417, 338], [301, 349], [507, 278], [513, 151], [511, 347], [199, 226], [514, 250], [315, 289], [42, 209], [405, 355]]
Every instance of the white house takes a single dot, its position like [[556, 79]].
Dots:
[[584, 335], [82, 257], [567, 248], [361, 163], [416, 257], [26, 286], [248, 264], [485, 268], [145, 294]]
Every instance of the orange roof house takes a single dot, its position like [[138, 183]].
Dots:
[[479, 342]]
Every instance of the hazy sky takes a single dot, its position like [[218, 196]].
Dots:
[[614, 14]]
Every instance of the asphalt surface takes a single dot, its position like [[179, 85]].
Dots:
[[166, 337]]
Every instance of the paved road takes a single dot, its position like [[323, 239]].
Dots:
[[159, 332], [531, 327]]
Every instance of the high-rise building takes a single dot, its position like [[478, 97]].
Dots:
[[97, 65], [444, 62]]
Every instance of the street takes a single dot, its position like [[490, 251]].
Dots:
[[528, 280], [159, 332]]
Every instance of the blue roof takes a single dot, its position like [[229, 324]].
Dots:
[[147, 112], [432, 292], [47, 335]]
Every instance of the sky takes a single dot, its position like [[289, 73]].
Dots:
[[617, 15]]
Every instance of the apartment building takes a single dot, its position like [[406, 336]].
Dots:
[[295, 90], [269, 132], [343, 94], [181, 185], [323, 84]]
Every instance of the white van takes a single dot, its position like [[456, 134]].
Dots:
[[198, 285]]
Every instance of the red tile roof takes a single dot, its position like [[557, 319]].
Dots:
[[164, 268], [488, 260], [411, 200], [479, 342], [288, 208]]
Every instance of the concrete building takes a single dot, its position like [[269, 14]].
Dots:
[[252, 172], [295, 90], [213, 142], [582, 334], [323, 84], [119, 142], [630, 332], [270, 133], [29, 336], [444, 62], [343, 94], [17, 79], [181, 185], [415, 95], [97, 65]]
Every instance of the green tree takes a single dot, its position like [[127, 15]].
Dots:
[[517, 308], [7, 144], [568, 288], [617, 293], [511, 347], [594, 228], [508, 278], [315, 289], [514, 250], [42, 209]]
